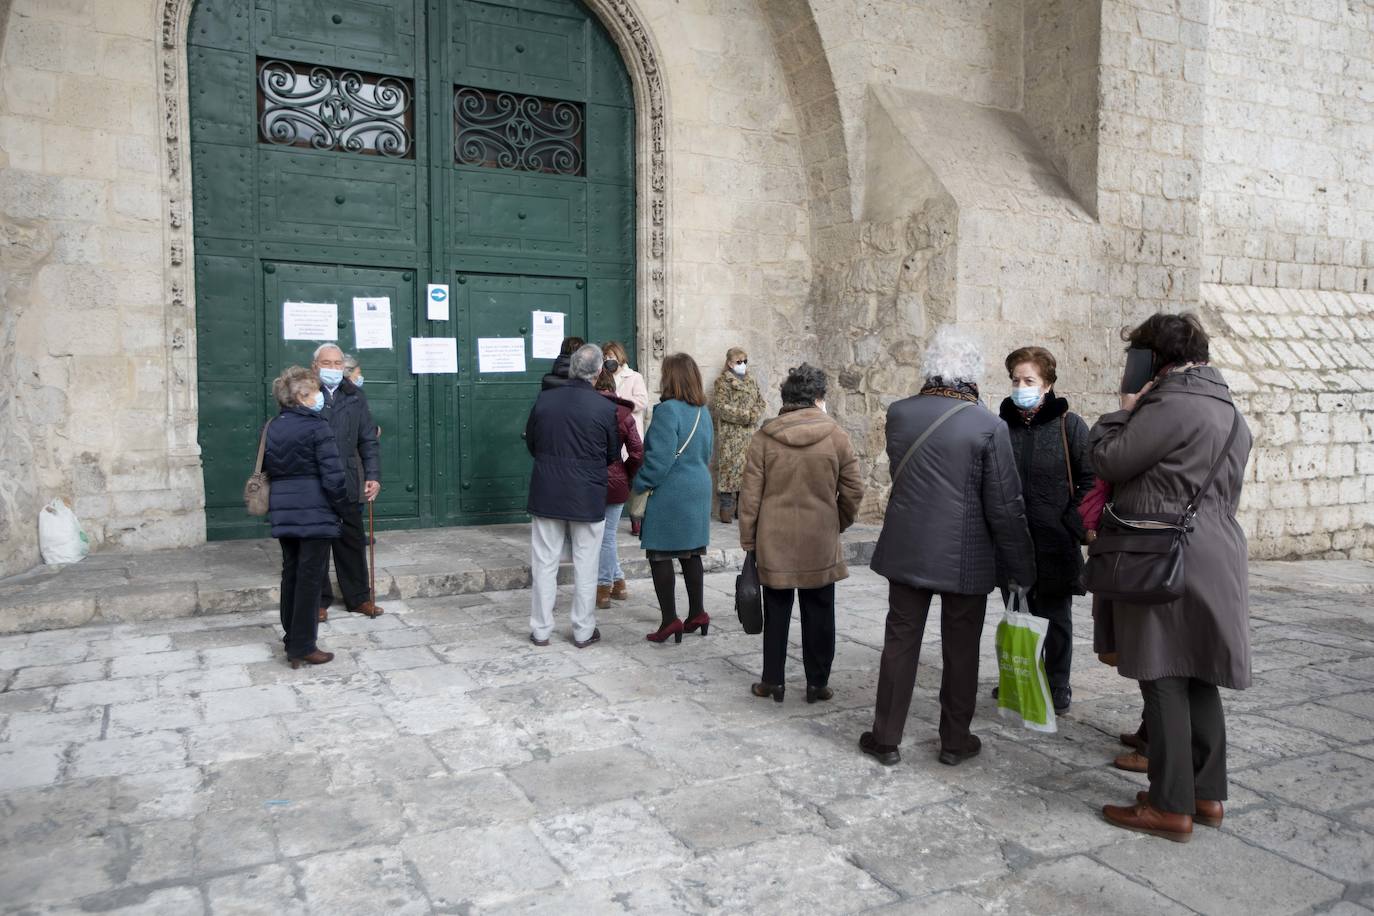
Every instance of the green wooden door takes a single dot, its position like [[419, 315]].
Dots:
[[364, 148]]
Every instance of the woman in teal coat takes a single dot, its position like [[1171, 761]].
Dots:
[[677, 521]]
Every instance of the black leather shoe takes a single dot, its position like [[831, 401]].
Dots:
[[951, 757], [886, 754], [814, 694], [584, 643], [538, 642]]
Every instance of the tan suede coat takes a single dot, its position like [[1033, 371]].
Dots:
[[801, 488]]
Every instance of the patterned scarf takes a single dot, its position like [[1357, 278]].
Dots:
[[957, 388]]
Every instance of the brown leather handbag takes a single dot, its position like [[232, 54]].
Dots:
[[258, 488], [1140, 559]]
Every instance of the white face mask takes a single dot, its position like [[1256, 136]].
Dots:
[[740, 369]]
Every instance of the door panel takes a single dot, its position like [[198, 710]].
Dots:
[[494, 464], [372, 34], [498, 46], [328, 198], [389, 386]]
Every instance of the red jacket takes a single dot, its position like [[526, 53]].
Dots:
[[623, 470]]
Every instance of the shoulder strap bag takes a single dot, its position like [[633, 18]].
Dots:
[[639, 502], [258, 487], [1140, 560], [921, 439], [1073, 491]]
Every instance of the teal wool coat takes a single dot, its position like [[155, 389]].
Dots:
[[679, 513]]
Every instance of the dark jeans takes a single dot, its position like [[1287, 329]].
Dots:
[[1058, 610], [350, 561], [1187, 742], [304, 562], [961, 627], [817, 632]]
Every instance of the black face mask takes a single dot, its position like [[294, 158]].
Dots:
[[612, 366]]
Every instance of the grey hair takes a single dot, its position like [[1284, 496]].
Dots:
[[954, 355], [291, 384], [586, 363], [350, 363], [315, 357]]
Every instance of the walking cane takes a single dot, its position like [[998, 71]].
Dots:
[[371, 557]]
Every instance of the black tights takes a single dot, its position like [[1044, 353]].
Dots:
[[665, 584]]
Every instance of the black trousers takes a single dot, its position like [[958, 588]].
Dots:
[[1058, 610], [304, 562], [350, 561], [961, 628], [1187, 742], [817, 632]]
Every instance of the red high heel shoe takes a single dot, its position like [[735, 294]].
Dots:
[[673, 629], [701, 622]]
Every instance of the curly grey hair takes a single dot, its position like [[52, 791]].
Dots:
[[586, 363], [953, 355], [291, 384], [805, 385]]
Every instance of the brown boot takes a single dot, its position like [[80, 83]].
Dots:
[[1143, 818], [1207, 813], [620, 591], [367, 609], [603, 597], [727, 507], [1133, 762]]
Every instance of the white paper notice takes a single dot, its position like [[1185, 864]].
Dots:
[[372, 323], [432, 355], [548, 334], [500, 354], [310, 321], [436, 295]]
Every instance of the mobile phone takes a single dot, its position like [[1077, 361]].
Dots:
[[1140, 368]]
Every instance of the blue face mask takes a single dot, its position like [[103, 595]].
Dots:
[[331, 377], [1025, 398], [318, 405], [358, 381]]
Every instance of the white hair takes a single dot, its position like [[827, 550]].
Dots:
[[954, 355], [325, 346], [586, 363]]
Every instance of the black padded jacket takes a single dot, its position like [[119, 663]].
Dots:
[[955, 519]]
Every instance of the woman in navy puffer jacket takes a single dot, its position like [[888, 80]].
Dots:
[[308, 491]]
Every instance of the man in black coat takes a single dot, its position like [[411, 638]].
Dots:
[[573, 435], [355, 432], [955, 521]]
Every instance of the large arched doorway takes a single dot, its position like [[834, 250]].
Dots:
[[363, 149]]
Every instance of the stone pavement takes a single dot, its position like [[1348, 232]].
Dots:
[[443, 764], [227, 576]]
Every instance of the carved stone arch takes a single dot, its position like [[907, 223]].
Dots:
[[638, 51]]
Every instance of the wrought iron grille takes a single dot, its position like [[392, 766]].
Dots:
[[503, 130], [323, 108]]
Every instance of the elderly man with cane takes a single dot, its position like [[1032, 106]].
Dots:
[[346, 409]]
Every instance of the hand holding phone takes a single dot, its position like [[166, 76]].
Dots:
[[1140, 368]]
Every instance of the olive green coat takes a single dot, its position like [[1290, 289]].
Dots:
[[737, 407]]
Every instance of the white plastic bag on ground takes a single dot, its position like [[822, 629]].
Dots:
[[60, 538]]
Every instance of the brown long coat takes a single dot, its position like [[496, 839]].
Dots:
[[1155, 459], [801, 488]]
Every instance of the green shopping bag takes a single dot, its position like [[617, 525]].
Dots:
[[1023, 688]]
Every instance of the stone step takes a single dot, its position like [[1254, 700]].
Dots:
[[228, 576]]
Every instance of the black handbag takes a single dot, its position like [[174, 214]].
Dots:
[[749, 597], [1140, 559]]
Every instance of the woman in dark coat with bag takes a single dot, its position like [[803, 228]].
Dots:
[[1157, 452], [307, 496], [1051, 448], [800, 489]]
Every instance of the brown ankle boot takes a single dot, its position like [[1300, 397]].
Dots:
[[620, 591], [603, 596]]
